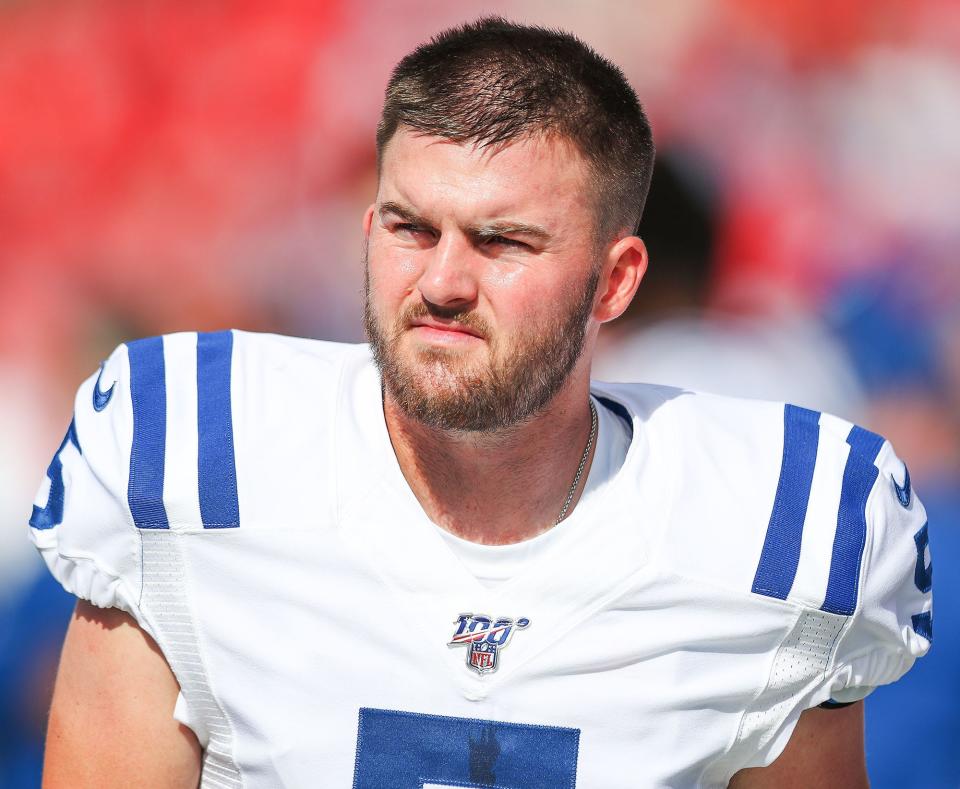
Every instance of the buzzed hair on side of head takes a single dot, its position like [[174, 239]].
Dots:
[[491, 82]]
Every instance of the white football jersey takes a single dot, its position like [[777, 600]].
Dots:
[[238, 495]]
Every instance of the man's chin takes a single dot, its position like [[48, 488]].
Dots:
[[436, 394], [455, 412], [442, 364], [439, 381]]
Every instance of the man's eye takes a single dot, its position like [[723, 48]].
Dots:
[[505, 242], [412, 232]]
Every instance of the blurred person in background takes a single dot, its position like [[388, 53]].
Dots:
[[900, 323], [671, 335]]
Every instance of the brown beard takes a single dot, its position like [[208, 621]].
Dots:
[[514, 387]]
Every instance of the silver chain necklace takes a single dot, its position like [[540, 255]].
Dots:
[[583, 463]]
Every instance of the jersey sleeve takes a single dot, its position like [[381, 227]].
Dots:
[[893, 621], [81, 521]]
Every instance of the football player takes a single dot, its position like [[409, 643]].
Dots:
[[448, 558]]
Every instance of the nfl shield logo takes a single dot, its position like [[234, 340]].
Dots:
[[483, 657], [484, 637]]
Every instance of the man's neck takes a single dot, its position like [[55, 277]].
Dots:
[[502, 487]]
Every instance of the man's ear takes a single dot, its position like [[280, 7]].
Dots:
[[624, 265], [368, 219]]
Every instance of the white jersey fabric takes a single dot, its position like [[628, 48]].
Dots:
[[493, 565], [238, 495]]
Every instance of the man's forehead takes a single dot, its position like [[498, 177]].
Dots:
[[540, 175]]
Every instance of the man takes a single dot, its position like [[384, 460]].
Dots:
[[459, 563]]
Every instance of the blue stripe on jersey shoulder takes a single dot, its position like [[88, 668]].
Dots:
[[859, 476], [148, 394], [618, 410], [781, 546], [216, 462]]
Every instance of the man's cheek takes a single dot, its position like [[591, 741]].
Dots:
[[407, 266], [393, 281]]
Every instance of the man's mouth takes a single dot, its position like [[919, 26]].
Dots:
[[440, 330]]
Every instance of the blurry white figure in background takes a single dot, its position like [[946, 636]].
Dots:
[[791, 358]]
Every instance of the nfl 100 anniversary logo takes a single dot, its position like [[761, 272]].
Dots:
[[484, 637]]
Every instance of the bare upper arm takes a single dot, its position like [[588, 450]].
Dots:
[[111, 721], [825, 749]]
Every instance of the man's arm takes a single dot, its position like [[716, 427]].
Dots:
[[825, 749], [111, 722]]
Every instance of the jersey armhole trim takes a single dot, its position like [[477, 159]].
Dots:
[[169, 610], [830, 704]]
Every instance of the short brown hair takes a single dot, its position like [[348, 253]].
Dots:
[[492, 81]]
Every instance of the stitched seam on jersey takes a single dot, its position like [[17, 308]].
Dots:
[[140, 568], [219, 753], [505, 675], [356, 753], [661, 438], [196, 527], [760, 691], [201, 651], [783, 651], [660, 443]]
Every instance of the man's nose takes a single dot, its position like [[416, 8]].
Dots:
[[449, 278]]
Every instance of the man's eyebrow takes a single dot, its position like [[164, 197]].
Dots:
[[481, 232], [405, 213], [510, 228]]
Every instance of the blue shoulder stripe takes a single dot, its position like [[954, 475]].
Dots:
[[216, 463], [781, 546], [618, 410], [148, 393], [859, 476]]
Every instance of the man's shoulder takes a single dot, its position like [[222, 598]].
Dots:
[[743, 430], [239, 364], [175, 419], [692, 423], [768, 499]]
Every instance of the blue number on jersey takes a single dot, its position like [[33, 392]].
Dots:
[[52, 514], [405, 750], [923, 578]]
